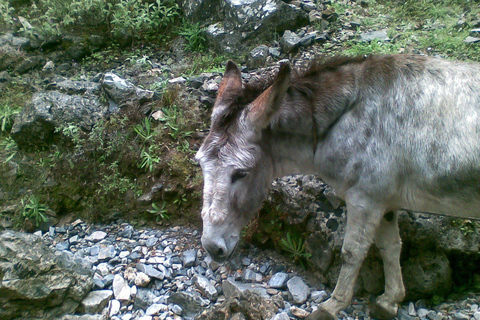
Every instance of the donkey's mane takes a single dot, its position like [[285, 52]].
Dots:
[[304, 81]]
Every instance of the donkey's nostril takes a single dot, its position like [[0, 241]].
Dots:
[[218, 251]]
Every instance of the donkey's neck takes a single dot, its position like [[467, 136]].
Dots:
[[309, 110], [291, 137]]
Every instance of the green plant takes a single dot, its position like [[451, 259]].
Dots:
[[6, 117], [6, 12], [138, 19], [160, 212], [184, 147], [148, 160], [144, 130], [194, 35], [295, 248], [34, 210], [180, 200], [10, 147], [174, 122]]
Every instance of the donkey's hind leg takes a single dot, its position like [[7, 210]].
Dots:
[[363, 220], [389, 244]]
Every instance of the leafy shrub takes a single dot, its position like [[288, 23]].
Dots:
[[194, 35], [34, 210], [123, 20], [6, 12], [295, 248]]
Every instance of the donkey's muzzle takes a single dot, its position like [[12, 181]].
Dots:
[[216, 248]]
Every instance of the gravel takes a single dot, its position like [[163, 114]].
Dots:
[[165, 274]]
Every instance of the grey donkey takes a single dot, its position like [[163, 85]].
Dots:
[[386, 132]]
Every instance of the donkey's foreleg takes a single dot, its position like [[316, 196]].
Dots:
[[389, 244], [362, 223]]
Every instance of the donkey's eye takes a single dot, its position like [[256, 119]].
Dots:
[[238, 174]]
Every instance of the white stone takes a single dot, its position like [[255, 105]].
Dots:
[[142, 280], [121, 290], [156, 308], [96, 236], [113, 307], [96, 300]]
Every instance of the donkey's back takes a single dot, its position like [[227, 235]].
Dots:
[[414, 135]]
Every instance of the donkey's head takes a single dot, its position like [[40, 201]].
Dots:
[[235, 160]]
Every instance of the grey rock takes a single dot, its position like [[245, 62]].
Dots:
[[34, 277], [177, 309], [247, 21], [156, 309], [403, 315], [274, 52], [78, 51], [62, 245], [251, 276], [475, 32], [151, 271], [82, 317], [189, 257], [144, 298], [298, 289], [127, 232], [124, 93], [107, 253], [151, 242], [205, 286], [476, 315], [201, 10], [35, 125], [178, 80], [461, 316], [278, 280], [422, 312], [318, 296], [96, 236], [281, 316], [257, 58], [94, 250], [191, 303], [29, 63], [232, 288], [289, 42], [470, 39], [95, 301], [76, 87], [380, 35]]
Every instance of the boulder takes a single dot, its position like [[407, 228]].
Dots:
[[202, 10], [239, 22], [48, 110], [36, 283], [122, 93]]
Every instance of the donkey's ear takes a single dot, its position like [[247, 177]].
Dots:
[[268, 103], [231, 83]]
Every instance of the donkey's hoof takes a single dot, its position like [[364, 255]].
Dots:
[[320, 314], [380, 311]]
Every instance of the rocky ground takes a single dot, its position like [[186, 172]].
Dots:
[[165, 274]]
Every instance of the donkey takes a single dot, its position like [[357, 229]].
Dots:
[[386, 132]]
